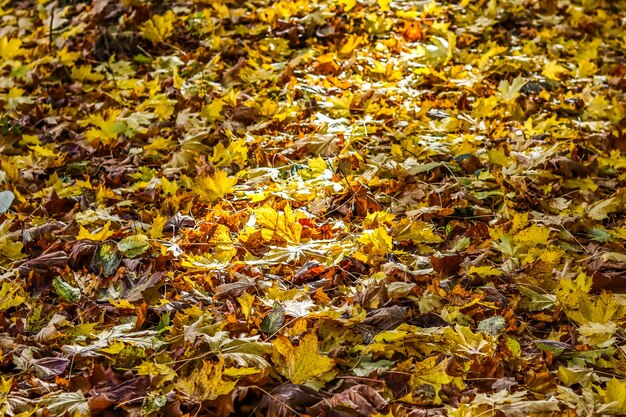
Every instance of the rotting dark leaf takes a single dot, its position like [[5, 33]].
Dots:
[[48, 368], [446, 265], [45, 232], [358, 400], [177, 222], [43, 263], [429, 320], [386, 318], [553, 346], [147, 281], [308, 272], [104, 398], [287, 398]]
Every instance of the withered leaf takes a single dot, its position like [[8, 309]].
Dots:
[[43, 263]]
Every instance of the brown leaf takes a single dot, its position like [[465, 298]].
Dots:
[[43, 263], [446, 265], [288, 397], [177, 222], [310, 271], [358, 400], [148, 280], [103, 398], [47, 368], [386, 318]]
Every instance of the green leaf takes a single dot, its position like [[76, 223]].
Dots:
[[106, 259], [553, 346], [274, 320], [602, 209], [133, 246], [65, 291], [6, 199], [510, 92], [493, 325], [534, 301]]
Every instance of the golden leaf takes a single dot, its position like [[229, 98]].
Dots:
[[431, 374], [277, 226], [378, 240], [215, 186], [246, 301], [10, 48], [159, 28], [100, 236], [300, 363], [206, 383]]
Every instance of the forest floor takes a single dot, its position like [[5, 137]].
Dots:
[[312, 207]]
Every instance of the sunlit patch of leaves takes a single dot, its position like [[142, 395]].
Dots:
[[312, 207]]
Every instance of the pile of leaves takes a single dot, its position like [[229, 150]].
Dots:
[[322, 207]]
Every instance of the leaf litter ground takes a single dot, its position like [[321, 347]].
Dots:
[[345, 208]]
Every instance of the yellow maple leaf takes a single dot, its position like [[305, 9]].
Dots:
[[431, 374], [596, 309], [511, 91], [160, 373], [553, 70], [467, 343], [485, 271], [44, 152], [206, 383], [156, 231], [384, 5], [236, 152], [379, 240], [613, 399], [533, 236], [485, 106], [586, 68], [224, 248], [5, 388], [417, 231], [347, 4], [85, 73], [113, 348], [276, 226], [246, 301], [350, 44], [100, 236], [159, 28], [214, 187], [65, 57], [213, 110], [168, 187], [316, 167], [597, 107], [107, 127], [300, 363], [10, 296], [10, 48], [15, 98]]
